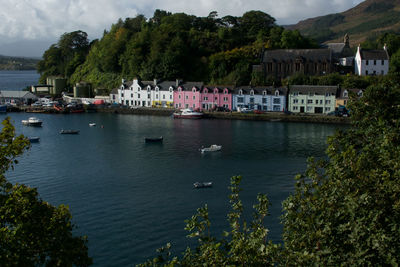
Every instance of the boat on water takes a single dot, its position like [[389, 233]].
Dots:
[[32, 121], [92, 124], [188, 114], [202, 184], [211, 148], [153, 139], [69, 131], [34, 139]]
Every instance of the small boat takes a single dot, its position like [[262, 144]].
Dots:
[[92, 124], [69, 132], [211, 148], [153, 139], [32, 121], [3, 108], [34, 139], [202, 184], [188, 114]]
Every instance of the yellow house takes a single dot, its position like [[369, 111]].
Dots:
[[163, 95]]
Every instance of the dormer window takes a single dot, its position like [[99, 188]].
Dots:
[[276, 93], [215, 91], [252, 92], [148, 88], [206, 91], [194, 90], [240, 92], [139, 88], [360, 93], [264, 92], [157, 89], [170, 89], [179, 89], [345, 94], [226, 91]]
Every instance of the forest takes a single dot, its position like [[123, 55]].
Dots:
[[168, 46]]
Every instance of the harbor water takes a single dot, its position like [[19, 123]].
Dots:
[[130, 197]]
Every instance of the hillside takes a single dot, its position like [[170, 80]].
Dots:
[[17, 63], [367, 20]]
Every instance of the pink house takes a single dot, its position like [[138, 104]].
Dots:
[[213, 97], [187, 95]]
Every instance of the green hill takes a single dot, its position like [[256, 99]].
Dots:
[[368, 20], [17, 63]]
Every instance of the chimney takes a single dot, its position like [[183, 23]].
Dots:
[[155, 82], [178, 82], [385, 47]]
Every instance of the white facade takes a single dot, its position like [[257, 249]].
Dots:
[[371, 62]]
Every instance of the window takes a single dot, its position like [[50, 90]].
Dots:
[[138, 95], [382, 72], [327, 109], [276, 100], [345, 94], [148, 103], [187, 97], [225, 92], [156, 89], [132, 102], [194, 97], [251, 99], [311, 93], [276, 93], [186, 105], [302, 101], [157, 96], [295, 93], [382, 62], [264, 92], [295, 107], [374, 62], [170, 96], [216, 98], [194, 106], [240, 99], [264, 100], [252, 92], [366, 72], [309, 101], [176, 105], [295, 101], [225, 99], [366, 62], [327, 102], [122, 94], [148, 95], [205, 98], [163, 97], [127, 102], [240, 92], [276, 108], [179, 96], [131, 95], [309, 109], [180, 105]]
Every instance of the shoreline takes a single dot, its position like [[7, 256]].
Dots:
[[268, 116]]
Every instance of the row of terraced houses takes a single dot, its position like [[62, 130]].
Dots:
[[197, 96]]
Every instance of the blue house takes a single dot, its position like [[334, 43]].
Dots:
[[259, 98]]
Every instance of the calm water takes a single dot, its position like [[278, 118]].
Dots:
[[17, 80], [130, 198]]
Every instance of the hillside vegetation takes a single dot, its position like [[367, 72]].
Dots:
[[366, 21], [170, 46], [17, 63]]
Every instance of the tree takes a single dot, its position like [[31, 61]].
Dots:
[[346, 209], [33, 232]]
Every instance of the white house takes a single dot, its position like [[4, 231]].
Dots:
[[371, 62], [135, 93]]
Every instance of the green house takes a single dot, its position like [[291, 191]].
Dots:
[[312, 99]]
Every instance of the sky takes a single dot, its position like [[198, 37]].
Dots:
[[29, 27]]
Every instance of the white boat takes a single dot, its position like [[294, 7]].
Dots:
[[32, 121], [188, 114], [92, 124], [211, 148], [202, 184]]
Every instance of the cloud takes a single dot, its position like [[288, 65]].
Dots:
[[48, 19]]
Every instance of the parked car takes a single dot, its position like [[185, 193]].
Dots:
[[222, 109], [37, 104]]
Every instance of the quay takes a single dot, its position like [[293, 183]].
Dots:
[[267, 116]]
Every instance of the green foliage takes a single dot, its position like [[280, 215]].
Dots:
[[169, 46], [346, 209], [245, 244], [33, 232]]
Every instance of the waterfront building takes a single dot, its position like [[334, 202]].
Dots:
[[259, 98], [163, 94], [344, 96], [114, 96], [371, 62], [135, 93], [312, 99], [188, 95], [342, 54], [58, 84], [17, 97], [281, 63], [41, 89], [214, 96]]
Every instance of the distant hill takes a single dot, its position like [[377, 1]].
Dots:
[[17, 63], [368, 20]]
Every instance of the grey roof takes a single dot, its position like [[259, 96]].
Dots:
[[220, 87], [350, 91], [114, 91], [16, 94], [187, 86], [316, 89], [165, 85], [374, 54], [127, 84], [288, 55], [258, 90]]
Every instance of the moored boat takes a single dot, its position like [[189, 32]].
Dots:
[[69, 131], [202, 184], [188, 114], [34, 139], [32, 121], [153, 139], [211, 148], [92, 124]]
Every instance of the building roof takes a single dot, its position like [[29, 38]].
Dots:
[[374, 54], [288, 55], [16, 94], [165, 85], [258, 90], [351, 91], [316, 89], [114, 91], [220, 87], [187, 86]]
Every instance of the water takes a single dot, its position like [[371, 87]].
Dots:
[[17, 80], [131, 198]]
